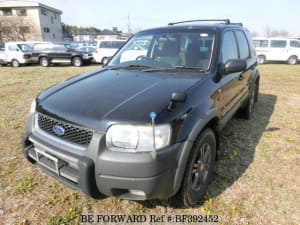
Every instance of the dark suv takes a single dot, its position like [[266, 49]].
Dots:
[[58, 53], [147, 124]]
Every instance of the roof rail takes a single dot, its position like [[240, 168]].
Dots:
[[226, 21]]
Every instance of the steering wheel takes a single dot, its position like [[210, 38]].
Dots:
[[142, 57]]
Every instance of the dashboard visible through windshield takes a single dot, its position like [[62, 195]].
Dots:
[[167, 50]]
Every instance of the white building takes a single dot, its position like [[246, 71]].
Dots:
[[29, 21]]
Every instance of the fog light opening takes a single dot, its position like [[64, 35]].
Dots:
[[137, 192]]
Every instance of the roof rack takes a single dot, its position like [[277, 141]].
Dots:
[[225, 21]]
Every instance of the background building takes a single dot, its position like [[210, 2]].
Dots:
[[29, 21]]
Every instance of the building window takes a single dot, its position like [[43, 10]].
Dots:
[[21, 12], [44, 12], [52, 19], [53, 36], [24, 29], [55, 16], [46, 29], [6, 12]]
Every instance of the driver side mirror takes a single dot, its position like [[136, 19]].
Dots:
[[234, 66]]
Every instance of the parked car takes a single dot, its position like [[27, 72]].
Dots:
[[60, 53], [277, 49], [106, 49], [147, 127], [16, 54]]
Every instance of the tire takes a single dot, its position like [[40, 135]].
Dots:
[[44, 62], [199, 169], [246, 111], [104, 60], [292, 60], [15, 63], [77, 61], [261, 59]]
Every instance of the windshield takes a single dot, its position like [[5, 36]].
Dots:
[[25, 47], [170, 49]]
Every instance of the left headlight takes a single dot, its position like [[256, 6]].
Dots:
[[137, 137], [33, 106]]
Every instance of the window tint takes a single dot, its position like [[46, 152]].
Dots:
[[117, 44], [243, 45], [105, 44], [229, 47], [295, 44], [278, 44], [261, 43]]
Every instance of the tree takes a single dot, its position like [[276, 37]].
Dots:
[[269, 32]]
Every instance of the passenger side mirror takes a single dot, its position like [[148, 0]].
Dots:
[[234, 65]]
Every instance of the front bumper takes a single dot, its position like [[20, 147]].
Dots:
[[95, 170]]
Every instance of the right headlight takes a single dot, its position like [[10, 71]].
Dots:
[[132, 138]]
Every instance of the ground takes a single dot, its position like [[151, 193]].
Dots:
[[257, 177]]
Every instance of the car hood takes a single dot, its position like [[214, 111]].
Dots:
[[98, 99]]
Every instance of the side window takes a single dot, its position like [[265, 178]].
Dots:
[[243, 45], [12, 48], [229, 47], [105, 44], [278, 44], [117, 44], [261, 43], [295, 44]]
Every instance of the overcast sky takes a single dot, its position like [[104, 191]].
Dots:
[[254, 14]]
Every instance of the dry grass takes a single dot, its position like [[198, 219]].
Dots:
[[257, 178]]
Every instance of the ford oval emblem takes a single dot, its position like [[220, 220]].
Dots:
[[58, 130]]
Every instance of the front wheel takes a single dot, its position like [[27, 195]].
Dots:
[[77, 61], [104, 61], [199, 169], [15, 63], [261, 59]]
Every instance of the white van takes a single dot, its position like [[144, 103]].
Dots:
[[277, 49], [106, 49]]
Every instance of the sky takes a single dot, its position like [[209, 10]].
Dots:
[[256, 15]]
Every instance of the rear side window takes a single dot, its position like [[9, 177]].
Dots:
[[117, 44], [105, 44], [278, 44], [243, 45], [295, 44], [229, 47], [261, 43]]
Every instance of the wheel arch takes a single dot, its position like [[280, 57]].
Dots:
[[213, 122]]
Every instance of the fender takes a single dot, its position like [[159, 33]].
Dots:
[[201, 123]]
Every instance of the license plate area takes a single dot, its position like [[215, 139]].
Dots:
[[49, 161]]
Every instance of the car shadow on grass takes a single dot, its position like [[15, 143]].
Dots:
[[237, 150]]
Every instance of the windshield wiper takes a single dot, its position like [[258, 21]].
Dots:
[[131, 67], [176, 68]]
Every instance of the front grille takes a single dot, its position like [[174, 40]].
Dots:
[[72, 133]]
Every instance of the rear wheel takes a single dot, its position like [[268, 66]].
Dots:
[[44, 62], [246, 111], [77, 61], [261, 59], [292, 60], [15, 63], [199, 169]]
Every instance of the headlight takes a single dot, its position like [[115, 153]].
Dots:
[[33, 106], [137, 137]]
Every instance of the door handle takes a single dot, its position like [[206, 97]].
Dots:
[[241, 77]]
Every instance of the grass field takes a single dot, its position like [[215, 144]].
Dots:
[[257, 178]]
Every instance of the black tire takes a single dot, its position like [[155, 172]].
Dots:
[[199, 169], [15, 63], [104, 60], [44, 62], [247, 110], [261, 59], [77, 61], [292, 60]]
